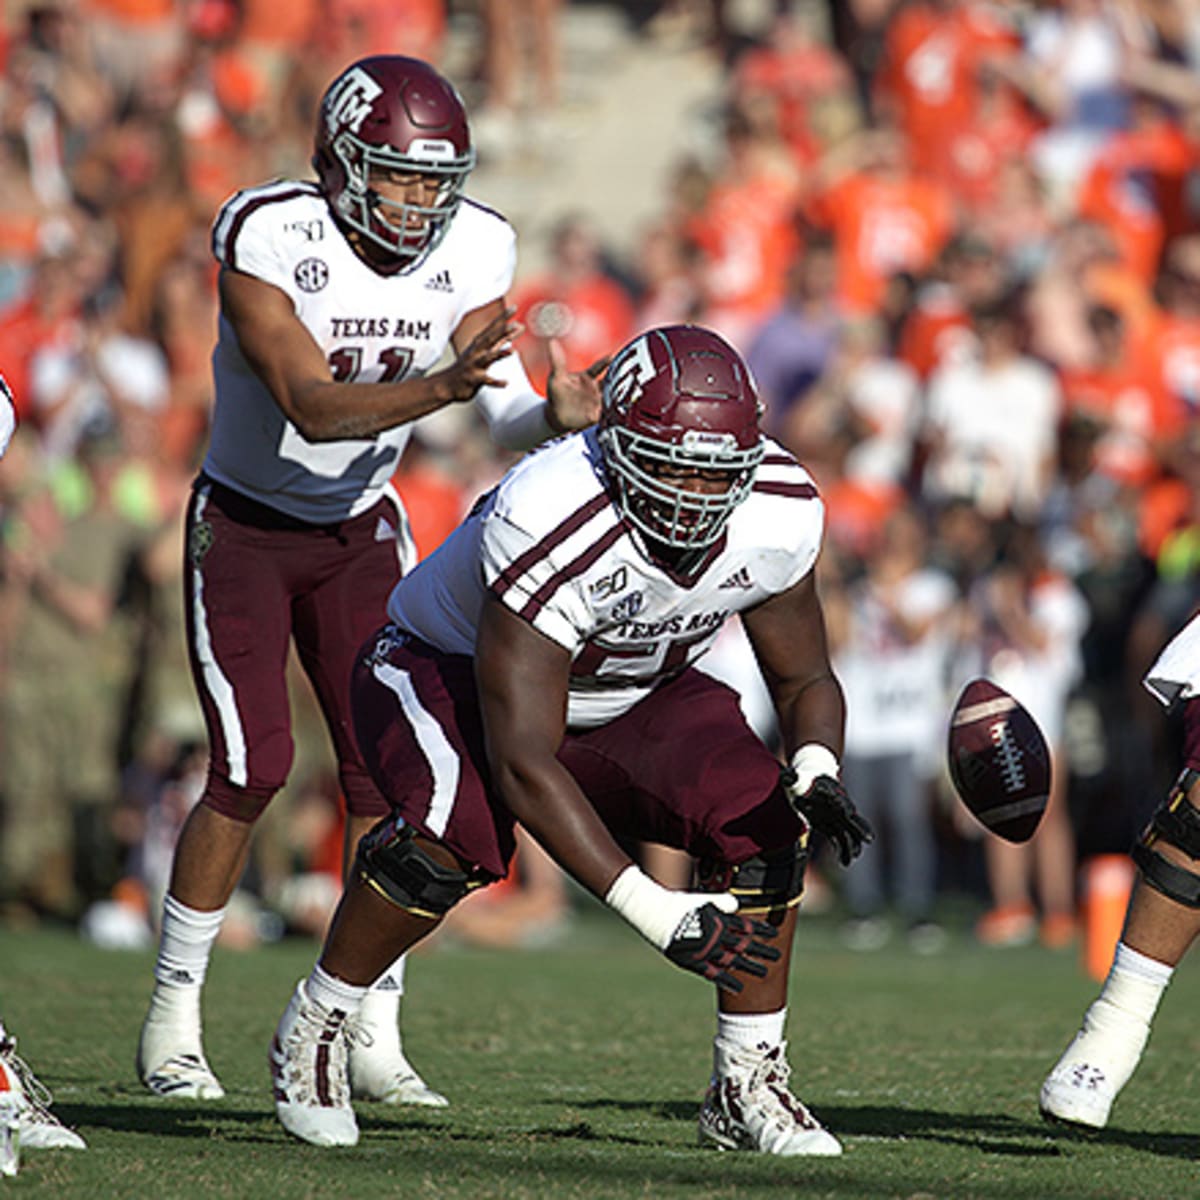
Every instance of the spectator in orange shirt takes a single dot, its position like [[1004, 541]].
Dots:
[[1169, 352], [44, 316], [1134, 418], [937, 329], [1136, 185], [933, 53], [979, 153], [810, 84], [885, 219], [433, 499], [573, 300], [746, 228]]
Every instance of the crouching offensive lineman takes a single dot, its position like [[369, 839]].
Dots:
[[538, 668]]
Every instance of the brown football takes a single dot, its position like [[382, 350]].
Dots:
[[999, 760]]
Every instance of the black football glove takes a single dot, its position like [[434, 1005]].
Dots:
[[830, 811], [714, 944]]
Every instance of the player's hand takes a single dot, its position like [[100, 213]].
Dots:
[[830, 811], [572, 397], [471, 370], [715, 944]]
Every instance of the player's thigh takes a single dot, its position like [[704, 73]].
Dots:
[[683, 768], [418, 725], [239, 626], [348, 601], [335, 617]]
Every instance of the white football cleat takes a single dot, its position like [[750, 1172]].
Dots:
[[38, 1127], [310, 1074], [378, 1068], [170, 1060], [1081, 1088], [750, 1107], [389, 1078]]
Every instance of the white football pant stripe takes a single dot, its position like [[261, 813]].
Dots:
[[219, 689], [439, 754]]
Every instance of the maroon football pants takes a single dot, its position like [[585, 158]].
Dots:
[[256, 579], [681, 767]]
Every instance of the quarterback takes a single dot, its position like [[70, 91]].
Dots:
[[539, 668], [338, 298]]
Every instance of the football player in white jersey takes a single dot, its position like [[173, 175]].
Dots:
[[25, 1117], [338, 298], [1162, 919], [538, 668]]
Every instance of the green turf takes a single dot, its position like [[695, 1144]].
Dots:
[[576, 1072]]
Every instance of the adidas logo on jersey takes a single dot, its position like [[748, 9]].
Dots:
[[384, 532], [440, 282], [739, 579]]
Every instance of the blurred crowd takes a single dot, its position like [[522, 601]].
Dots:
[[958, 241]]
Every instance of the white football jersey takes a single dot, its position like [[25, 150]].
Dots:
[[371, 328], [8, 416], [550, 542]]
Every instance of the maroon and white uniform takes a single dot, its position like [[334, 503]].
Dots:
[[371, 328], [290, 537], [8, 416], [1174, 679], [660, 749]]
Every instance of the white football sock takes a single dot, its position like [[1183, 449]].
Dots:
[[1131, 993], [186, 943], [750, 1031], [392, 980], [331, 992], [1133, 962], [1117, 1025]]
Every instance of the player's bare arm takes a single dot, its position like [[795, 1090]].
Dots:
[[787, 633], [286, 357], [788, 636], [522, 678]]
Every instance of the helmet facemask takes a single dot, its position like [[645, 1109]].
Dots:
[[666, 513], [362, 208]]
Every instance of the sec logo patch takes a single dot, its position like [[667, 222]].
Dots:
[[311, 275]]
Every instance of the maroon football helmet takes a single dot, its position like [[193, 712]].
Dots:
[[679, 397], [400, 114]]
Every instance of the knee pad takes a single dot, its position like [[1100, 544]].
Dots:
[[771, 880], [1177, 823], [390, 860]]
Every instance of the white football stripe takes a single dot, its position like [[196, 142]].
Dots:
[[216, 682], [430, 737], [987, 708], [1018, 808]]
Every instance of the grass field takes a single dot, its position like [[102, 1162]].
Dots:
[[576, 1072]]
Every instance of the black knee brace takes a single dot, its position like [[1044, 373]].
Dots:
[[1177, 823], [391, 861], [771, 880]]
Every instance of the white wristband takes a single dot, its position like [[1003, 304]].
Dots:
[[654, 911], [810, 761]]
